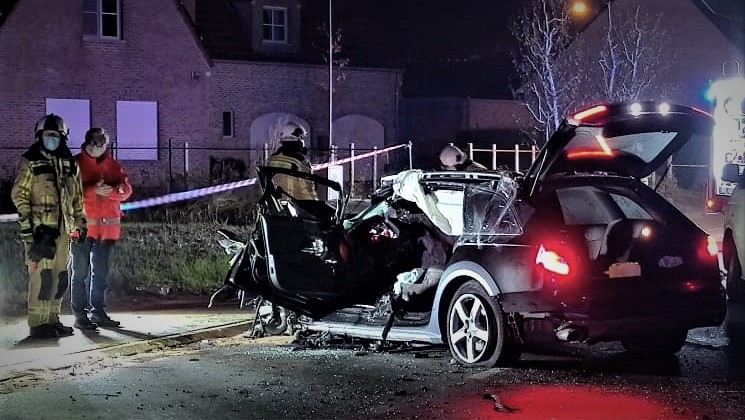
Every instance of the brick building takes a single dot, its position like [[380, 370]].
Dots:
[[160, 74]]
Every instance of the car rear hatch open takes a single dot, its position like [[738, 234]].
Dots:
[[624, 139]]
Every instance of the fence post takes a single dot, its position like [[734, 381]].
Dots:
[[351, 169], [266, 153], [517, 157], [470, 151], [411, 161], [170, 165], [375, 169], [186, 159], [494, 156], [532, 153]]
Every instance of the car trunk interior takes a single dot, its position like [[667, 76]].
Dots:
[[614, 228]]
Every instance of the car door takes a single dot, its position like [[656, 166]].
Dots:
[[299, 242]]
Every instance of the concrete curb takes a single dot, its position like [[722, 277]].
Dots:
[[64, 361], [174, 340]]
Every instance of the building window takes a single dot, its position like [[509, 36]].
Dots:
[[137, 130], [274, 24], [102, 18], [227, 124]]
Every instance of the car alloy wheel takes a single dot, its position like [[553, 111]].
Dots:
[[476, 330]]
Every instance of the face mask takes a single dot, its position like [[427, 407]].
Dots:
[[51, 143], [95, 151]]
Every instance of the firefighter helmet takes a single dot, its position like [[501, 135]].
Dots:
[[451, 156], [52, 122], [292, 132]]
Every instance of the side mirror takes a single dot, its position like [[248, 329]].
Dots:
[[731, 173]]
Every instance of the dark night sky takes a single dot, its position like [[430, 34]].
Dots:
[[447, 47], [465, 47], [461, 48]]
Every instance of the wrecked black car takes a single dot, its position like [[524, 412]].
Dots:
[[576, 249]]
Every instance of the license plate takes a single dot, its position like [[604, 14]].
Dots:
[[624, 269]]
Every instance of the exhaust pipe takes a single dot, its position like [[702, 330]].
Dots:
[[570, 333]]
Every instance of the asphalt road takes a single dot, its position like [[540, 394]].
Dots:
[[270, 378]]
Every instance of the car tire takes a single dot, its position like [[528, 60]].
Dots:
[[735, 284], [274, 318], [656, 344], [477, 330]]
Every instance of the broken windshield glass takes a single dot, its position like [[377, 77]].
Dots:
[[489, 216]]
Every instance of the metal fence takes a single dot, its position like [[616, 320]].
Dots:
[[357, 169], [497, 156]]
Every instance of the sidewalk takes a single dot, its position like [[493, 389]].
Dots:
[[141, 331]]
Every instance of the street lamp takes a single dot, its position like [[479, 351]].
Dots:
[[579, 8]]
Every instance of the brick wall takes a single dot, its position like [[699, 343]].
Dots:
[[43, 54], [155, 61], [253, 89]]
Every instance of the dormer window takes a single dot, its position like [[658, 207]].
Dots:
[[102, 18], [274, 24]]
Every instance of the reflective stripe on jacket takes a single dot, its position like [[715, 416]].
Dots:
[[47, 191], [298, 188], [103, 212]]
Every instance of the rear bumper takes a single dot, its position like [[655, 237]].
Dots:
[[614, 314], [615, 329]]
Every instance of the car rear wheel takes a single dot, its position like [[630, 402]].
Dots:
[[477, 332], [656, 344], [735, 284]]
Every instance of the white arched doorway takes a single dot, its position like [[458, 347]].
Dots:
[[264, 129], [366, 133]]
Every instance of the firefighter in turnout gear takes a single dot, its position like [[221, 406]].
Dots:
[[453, 159], [291, 155], [47, 193]]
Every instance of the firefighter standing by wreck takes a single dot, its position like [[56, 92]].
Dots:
[[453, 159], [291, 155], [47, 193]]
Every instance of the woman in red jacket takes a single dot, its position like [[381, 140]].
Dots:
[[105, 185]]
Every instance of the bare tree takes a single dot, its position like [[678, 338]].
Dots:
[[542, 32], [630, 59], [340, 60], [555, 66]]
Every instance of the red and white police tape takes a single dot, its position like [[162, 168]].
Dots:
[[200, 192]]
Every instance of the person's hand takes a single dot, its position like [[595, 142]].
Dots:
[[102, 189], [78, 234]]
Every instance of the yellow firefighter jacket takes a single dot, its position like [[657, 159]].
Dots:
[[298, 188], [48, 191]]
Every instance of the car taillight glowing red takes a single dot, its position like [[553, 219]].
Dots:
[[588, 114], [711, 246], [588, 154], [552, 261], [709, 249]]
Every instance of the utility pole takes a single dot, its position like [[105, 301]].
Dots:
[[331, 83]]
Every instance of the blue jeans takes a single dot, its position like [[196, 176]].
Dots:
[[89, 262]]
